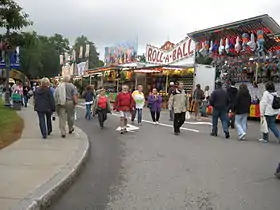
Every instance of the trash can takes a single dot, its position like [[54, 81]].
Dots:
[[17, 101]]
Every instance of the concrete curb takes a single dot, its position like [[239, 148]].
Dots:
[[44, 196]]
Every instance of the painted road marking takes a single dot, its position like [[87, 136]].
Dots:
[[198, 123], [150, 122], [130, 128]]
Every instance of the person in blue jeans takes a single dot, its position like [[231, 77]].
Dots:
[[89, 97], [242, 105], [268, 113], [44, 105], [219, 100]]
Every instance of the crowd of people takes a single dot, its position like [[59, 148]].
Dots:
[[231, 105]]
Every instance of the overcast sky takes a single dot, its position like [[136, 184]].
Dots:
[[107, 22]]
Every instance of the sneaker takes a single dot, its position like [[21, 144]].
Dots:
[[63, 136], [71, 131], [176, 133], [125, 130], [227, 136], [242, 136], [263, 140], [213, 134], [157, 123], [122, 131], [139, 124]]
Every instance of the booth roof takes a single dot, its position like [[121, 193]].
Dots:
[[242, 25]]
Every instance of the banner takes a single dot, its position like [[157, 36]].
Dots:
[[14, 59], [181, 51], [81, 68], [121, 53]]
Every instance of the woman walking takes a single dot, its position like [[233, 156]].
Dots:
[[124, 104], [139, 99], [242, 109], [44, 105], [154, 103], [89, 97], [102, 107], [268, 113], [198, 96]]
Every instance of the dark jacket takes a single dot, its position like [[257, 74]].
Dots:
[[232, 93], [242, 103], [88, 96], [44, 100], [219, 99]]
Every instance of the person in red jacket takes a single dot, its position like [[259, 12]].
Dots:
[[124, 104]]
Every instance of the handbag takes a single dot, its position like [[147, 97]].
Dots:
[[263, 124]]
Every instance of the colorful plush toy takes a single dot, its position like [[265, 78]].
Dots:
[[211, 47], [206, 45], [237, 45], [221, 47], [252, 44], [245, 40], [260, 40], [227, 46]]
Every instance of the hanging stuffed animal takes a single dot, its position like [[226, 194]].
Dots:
[[252, 44], [227, 46], [245, 40], [237, 45], [221, 47], [211, 47], [260, 40], [206, 45], [197, 46]]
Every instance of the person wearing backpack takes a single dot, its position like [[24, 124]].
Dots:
[[269, 111]]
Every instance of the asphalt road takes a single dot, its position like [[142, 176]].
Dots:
[[151, 168]]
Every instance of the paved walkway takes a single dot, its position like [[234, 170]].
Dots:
[[33, 169]]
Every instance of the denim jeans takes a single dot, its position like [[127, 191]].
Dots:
[[222, 114], [45, 123], [272, 126], [88, 111], [25, 100], [139, 115], [241, 123]]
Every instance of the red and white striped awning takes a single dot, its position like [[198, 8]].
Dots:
[[146, 71]]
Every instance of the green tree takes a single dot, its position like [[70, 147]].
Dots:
[[60, 43], [39, 56], [13, 18], [93, 54]]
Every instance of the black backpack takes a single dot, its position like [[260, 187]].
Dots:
[[276, 102]]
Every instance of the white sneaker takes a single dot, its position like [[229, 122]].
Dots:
[[242, 136], [263, 140], [157, 123]]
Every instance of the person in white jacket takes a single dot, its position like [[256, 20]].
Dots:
[[268, 113]]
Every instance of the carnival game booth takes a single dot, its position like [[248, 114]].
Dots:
[[245, 51]]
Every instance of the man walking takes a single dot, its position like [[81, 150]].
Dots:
[[219, 100], [178, 102], [232, 93], [171, 111], [66, 98]]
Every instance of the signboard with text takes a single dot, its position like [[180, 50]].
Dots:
[[184, 50], [14, 59]]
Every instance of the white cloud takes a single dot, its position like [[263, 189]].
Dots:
[[106, 22]]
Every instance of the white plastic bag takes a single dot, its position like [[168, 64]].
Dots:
[[188, 116], [263, 123]]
